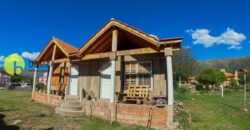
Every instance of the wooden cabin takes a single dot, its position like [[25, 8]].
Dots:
[[113, 59]]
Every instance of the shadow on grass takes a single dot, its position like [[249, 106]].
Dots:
[[232, 107], [6, 110], [4, 126]]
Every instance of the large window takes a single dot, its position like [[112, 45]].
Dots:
[[138, 73]]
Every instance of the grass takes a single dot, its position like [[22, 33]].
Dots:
[[211, 112], [17, 111]]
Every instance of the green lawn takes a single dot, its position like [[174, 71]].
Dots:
[[17, 111], [214, 113]]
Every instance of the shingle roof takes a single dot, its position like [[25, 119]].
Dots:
[[66, 46]]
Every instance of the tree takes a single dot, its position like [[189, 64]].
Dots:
[[184, 64], [241, 77], [211, 76]]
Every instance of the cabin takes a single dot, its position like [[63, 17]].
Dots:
[[118, 69]]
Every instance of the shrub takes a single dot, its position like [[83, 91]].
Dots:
[[41, 87], [196, 117], [183, 118], [182, 93], [234, 85]]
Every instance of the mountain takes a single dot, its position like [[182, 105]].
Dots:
[[227, 63], [28, 72]]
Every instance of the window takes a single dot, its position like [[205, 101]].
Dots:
[[138, 73]]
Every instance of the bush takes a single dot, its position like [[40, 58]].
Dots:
[[182, 93], [183, 90], [41, 87], [183, 118], [195, 117], [234, 85]]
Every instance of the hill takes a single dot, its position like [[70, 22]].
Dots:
[[227, 63]]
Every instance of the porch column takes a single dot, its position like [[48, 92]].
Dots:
[[50, 77], [51, 70], [113, 68], [34, 80], [168, 54], [113, 64], [66, 91]]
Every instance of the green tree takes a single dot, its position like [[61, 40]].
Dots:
[[184, 64], [241, 77], [211, 76], [16, 78]]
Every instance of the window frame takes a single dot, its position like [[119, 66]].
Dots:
[[137, 63]]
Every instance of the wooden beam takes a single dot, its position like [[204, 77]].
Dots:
[[61, 60], [120, 53], [114, 40], [137, 51], [54, 53], [96, 56]]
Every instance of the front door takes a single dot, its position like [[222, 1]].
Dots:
[[105, 81], [73, 80]]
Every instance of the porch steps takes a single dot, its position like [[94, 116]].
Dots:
[[70, 107]]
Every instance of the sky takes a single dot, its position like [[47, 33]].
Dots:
[[212, 29]]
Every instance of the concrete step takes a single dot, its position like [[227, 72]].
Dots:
[[72, 103], [69, 113], [71, 108], [70, 97]]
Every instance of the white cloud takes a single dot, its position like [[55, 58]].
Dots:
[[152, 35], [235, 47], [2, 58], [30, 56], [230, 37]]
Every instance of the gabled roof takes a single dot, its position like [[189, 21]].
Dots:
[[117, 24], [66, 48]]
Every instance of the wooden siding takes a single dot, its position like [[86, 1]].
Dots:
[[89, 74], [56, 77]]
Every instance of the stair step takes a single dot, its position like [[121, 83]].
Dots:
[[71, 108], [72, 103], [70, 97], [63, 112]]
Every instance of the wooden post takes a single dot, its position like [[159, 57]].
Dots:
[[222, 90], [34, 81], [168, 52], [68, 82], [113, 70], [51, 70]]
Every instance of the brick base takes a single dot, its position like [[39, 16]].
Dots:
[[128, 113], [43, 98]]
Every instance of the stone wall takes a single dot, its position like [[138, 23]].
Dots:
[[43, 98], [131, 114]]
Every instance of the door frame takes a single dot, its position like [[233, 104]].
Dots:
[[74, 76], [100, 85]]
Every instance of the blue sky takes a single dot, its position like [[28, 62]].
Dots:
[[215, 26]]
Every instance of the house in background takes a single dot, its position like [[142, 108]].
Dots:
[[230, 76], [5, 80], [109, 67], [43, 78], [191, 80]]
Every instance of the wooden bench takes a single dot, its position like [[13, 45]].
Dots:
[[137, 93]]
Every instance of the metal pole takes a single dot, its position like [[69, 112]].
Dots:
[[245, 89]]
